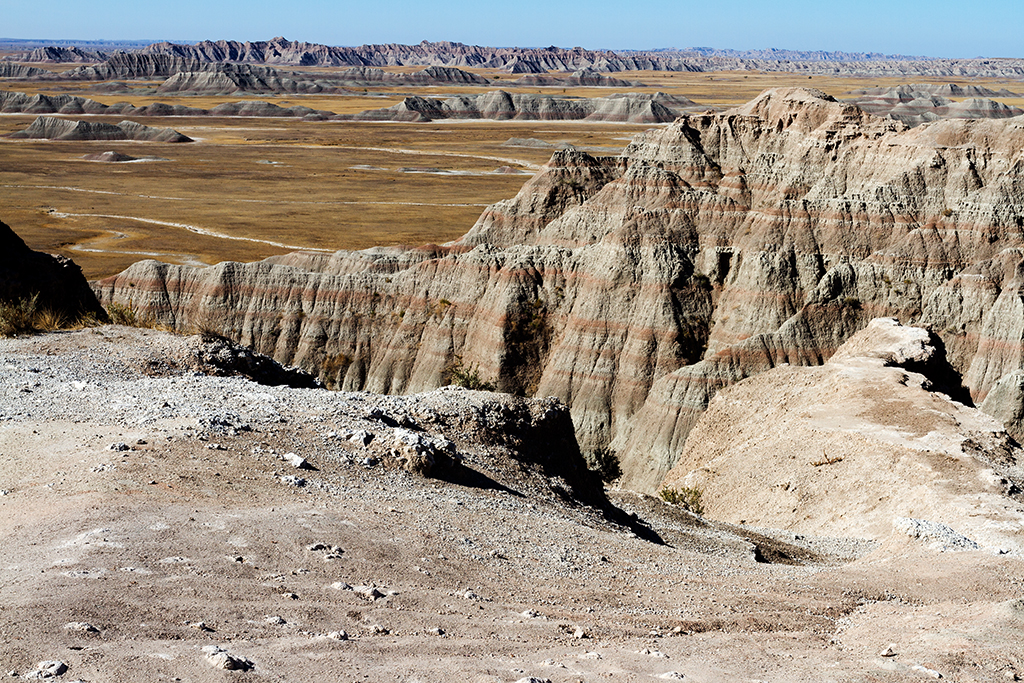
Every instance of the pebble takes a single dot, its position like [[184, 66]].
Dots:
[[580, 634], [47, 669], [296, 461], [887, 652], [361, 437], [119, 446], [292, 480], [672, 676], [222, 659], [338, 635], [81, 627], [275, 619], [931, 673]]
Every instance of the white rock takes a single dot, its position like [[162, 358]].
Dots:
[[222, 659], [295, 460], [81, 627], [361, 437], [931, 673], [672, 676], [47, 669]]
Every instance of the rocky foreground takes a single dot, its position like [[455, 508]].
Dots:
[[163, 521]]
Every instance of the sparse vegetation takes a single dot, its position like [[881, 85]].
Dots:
[[827, 459], [467, 377], [685, 497], [851, 302], [605, 462], [334, 368], [19, 317], [25, 316], [122, 314]]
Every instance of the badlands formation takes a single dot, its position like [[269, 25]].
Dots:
[[635, 287], [173, 511], [792, 307], [283, 52]]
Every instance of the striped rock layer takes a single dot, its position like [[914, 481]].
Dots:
[[634, 288]]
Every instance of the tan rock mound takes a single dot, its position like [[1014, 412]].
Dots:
[[863, 446]]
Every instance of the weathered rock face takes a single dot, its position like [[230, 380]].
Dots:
[[917, 104], [52, 128], [16, 102], [502, 106], [861, 446], [538, 60], [634, 288], [55, 280]]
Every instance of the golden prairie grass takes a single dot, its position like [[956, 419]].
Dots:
[[26, 316]]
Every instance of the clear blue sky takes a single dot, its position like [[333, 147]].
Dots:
[[938, 28]]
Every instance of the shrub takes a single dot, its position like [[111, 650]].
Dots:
[[121, 314], [467, 378], [19, 316], [685, 497], [24, 316], [605, 462]]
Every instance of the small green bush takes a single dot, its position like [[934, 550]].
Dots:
[[605, 462], [468, 378], [122, 314], [685, 497]]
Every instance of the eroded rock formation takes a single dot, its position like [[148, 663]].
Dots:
[[501, 105], [857, 446], [53, 128], [634, 288], [917, 104]]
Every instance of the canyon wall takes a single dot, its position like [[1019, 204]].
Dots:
[[635, 287]]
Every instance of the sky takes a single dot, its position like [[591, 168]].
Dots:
[[935, 28]]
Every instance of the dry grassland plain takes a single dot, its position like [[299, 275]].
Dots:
[[249, 188]]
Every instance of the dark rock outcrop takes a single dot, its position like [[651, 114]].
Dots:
[[56, 281]]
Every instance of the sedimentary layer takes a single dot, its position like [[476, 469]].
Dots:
[[53, 128], [501, 105], [917, 104], [280, 51], [634, 288]]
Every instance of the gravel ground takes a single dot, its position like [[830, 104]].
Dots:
[[155, 525]]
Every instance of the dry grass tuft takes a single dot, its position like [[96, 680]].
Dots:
[[24, 316]]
